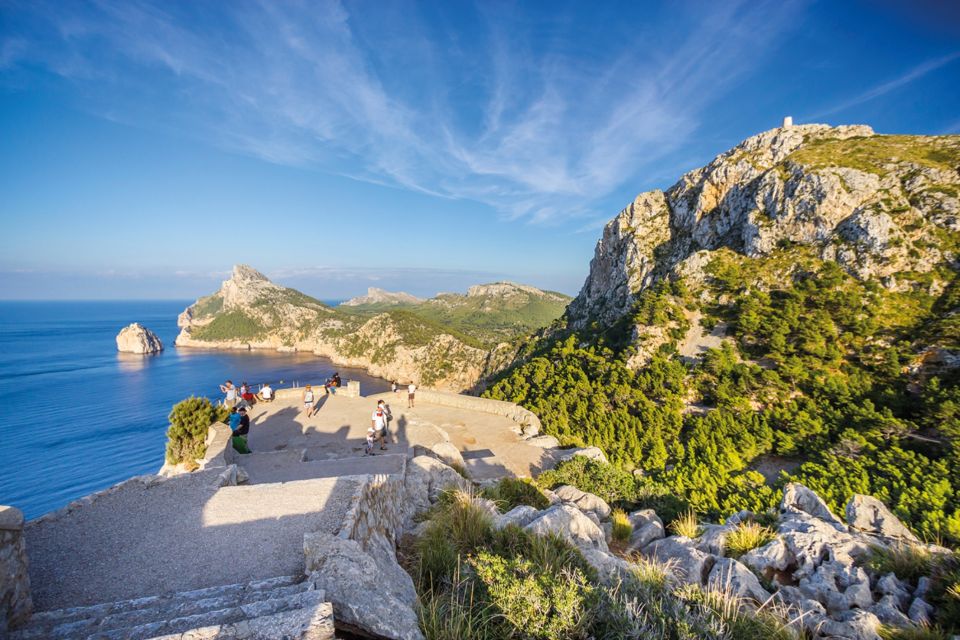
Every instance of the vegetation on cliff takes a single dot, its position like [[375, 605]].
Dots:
[[816, 372]]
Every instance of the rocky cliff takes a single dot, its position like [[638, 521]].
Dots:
[[884, 208], [136, 338], [377, 296], [411, 342]]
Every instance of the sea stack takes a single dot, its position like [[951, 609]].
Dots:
[[136, 338]]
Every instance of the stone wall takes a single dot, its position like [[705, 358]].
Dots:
[[527, 421], [220, 451], [15, 602], [350, 389], [377, 509]]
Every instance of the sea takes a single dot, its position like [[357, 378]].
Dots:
[[76, 416]]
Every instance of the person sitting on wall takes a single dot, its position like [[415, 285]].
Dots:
[[240, 433], [247, 394], [336, 379], [266, 393], [330, 386]]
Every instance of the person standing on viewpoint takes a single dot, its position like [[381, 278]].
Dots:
[[378, 422], [411, 392], [308, 399], [230, 394]]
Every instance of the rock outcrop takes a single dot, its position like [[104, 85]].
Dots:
[[828, 188], [136, 338], [382, 297]]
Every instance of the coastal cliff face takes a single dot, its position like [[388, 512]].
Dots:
[[411, 342], [884, 208]]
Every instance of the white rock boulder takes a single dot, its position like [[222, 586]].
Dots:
[[867, 514], [571, 524], [687, 563], [798, 498], [586, 502], [730, 576], [136, 338]]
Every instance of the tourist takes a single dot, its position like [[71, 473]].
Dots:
[[308, 399], [230, 392], [243, 428], [233, 420], [411, 392], [394, 387], [246, 394], [386, 424], [378, 422], [368, 445], [330, 386], [336, 379], [266, 393]]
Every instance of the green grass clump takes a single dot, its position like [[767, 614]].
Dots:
[[747, 536], [622, 528], [687, 525], [913, 633], [906, 561], [513, 492]]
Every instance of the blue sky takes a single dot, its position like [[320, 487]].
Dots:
[[148, 146]]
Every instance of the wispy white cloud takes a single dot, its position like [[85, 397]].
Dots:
[[543, 135], [884, 88]]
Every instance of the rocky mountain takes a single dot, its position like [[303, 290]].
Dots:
[[377, 296], [787, 312], [136, 338], [884, 208], [434, 343]]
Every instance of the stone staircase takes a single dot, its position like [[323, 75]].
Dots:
[[282, 607]]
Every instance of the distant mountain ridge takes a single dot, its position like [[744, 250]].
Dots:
[[452, 342]]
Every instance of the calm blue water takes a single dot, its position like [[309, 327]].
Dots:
[[76, 416]]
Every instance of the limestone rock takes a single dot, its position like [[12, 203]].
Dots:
[[855, 624], [610, 568], [920, 612], [867, 514], [521, 516], [593, 453], [544, 442], [586, 502], [771, 557], [382, 297], [448, 453], [570, 523], [811, 541], [687, 563], [425, 480], [647, 527], [136, 338], [797, 497], [888, 611], [891, 585], [714, 537], [377, 597], [730, 576]]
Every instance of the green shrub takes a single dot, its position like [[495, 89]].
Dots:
[[513, 492], [187, 433], [622, 528], [687, 525], [607, 481], [458, 614], [913, 633], [540, 604], [747, 536]]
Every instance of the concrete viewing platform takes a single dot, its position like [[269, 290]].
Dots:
[[236, 525]]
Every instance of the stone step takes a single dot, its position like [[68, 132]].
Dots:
[[267, 471], [75, 621]]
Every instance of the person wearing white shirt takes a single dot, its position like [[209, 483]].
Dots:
[[411, 391], [266, 393], [378, 422]]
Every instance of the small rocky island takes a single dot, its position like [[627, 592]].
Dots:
[[136, 338]]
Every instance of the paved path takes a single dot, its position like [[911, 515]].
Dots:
[[278, 466], [181, 534], [490, 447]]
